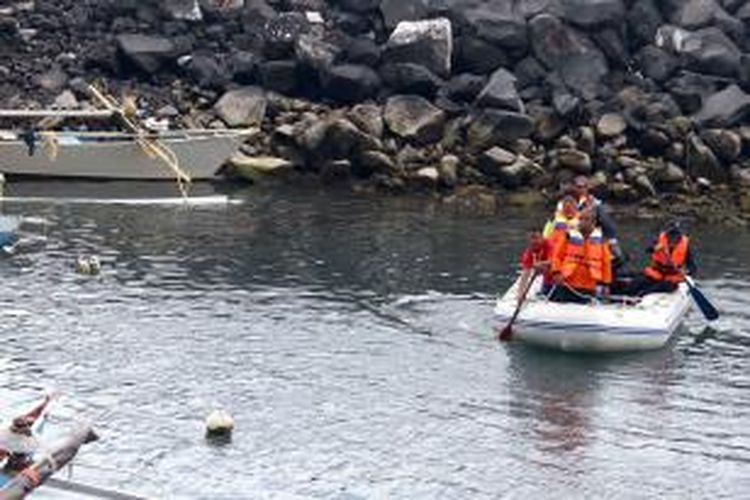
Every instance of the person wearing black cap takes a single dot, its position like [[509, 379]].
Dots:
[[671, 259]]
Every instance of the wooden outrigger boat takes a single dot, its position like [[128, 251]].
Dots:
[[198, 153], [596, 327]]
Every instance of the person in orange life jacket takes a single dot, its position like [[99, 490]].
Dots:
[[671, 256], [582, 263], [536, 257], [580, 190], [565, 218]]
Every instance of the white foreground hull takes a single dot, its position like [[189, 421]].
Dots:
[[118, 156], [595, 327]]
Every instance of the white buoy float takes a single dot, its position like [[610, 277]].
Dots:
[[88, 264], [219, 425]]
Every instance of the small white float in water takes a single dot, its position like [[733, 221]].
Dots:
[[219, 424], [88, 264], [594, 327]]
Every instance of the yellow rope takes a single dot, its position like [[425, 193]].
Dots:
[[51, 146], [153, 148]]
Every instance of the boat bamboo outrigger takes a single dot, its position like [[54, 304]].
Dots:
[[133, 153]]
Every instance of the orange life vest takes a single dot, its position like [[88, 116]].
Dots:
[[584, 263], [668, 264]]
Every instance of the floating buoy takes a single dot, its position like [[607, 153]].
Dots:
[[219, 425], [88, 264]]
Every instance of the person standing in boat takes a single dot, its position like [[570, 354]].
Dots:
[[537, 258], [566, 218], [582, 263], [671, 257], [580, 190]]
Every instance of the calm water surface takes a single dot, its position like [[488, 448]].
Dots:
[[351, 339]]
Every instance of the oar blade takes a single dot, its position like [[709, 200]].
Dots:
[[506, 333], [707, 308]]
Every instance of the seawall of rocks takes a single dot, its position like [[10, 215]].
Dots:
[[461, 97]]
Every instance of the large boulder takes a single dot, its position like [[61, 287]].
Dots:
[[350, 82], [465, 87], [359, 5], [281, 76], [693, 14], [395, 11], [183, 10], [369, 119], [502, 25], [429, 43], [644, 18], [415, 118], [494, 125], [707, 50], [656, 63], [701, 161], [281, 32], [478, 56], [572, 54], [147, 53], [592, 13], [724, 109], [315, 52], [500, 92], [410, 78], [242, 107]]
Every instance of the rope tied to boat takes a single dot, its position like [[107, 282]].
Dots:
[[152, 147]]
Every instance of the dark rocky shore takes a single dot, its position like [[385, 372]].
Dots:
[[479, 101]]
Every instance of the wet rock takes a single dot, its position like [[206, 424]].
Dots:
[[707, 50], [427, 176], [611, 125], [147, 53], [242, 107], [66, 100], [395, 11], [315, 52], [368, 118], [496, 157], [206, 71], [724, 109], [502, 25], [572, 54], [529, 72], [409, 78], [577, 161], [428, 43], [500, 92], [725, 144], [656, 63], [670, 174], [592, 13], [53, 80], [280, 76], [362, 51], [586, 140], [350, 82], [448, 170], [243, 67], [644, 18], [183, 10], [359, 5], [414, 118], [492, 125], [477, 56], [281, 32], [371, 162], [472, 200], [335, 171], [565, 103], [701, 161], [689, 90], [256, 168], [654, 141], [465, 87], [338, 138]]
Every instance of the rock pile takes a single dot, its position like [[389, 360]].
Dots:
[[648, 97]]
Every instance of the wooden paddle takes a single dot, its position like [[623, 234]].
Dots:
[[707, 308], [507, 332]]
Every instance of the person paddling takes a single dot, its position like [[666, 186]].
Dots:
[[671, 257], [582, 263], [537, 258]]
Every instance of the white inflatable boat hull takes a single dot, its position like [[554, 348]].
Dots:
[[596, 327]]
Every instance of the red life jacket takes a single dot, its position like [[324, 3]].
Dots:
[[667, 264]]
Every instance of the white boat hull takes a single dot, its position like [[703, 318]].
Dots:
[[596, 327], [118, 156]]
